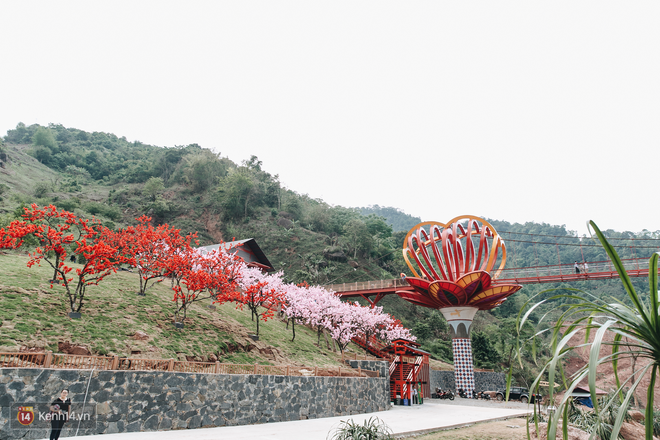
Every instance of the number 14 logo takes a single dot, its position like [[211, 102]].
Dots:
[[25, 415]]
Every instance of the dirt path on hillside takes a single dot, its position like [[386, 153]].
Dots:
[[605, 379]]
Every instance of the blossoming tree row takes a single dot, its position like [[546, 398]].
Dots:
[[161, 252]]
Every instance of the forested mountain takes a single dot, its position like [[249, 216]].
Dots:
[[399, 220], [196, 190]]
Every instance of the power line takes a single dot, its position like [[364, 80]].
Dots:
[[581, 244], [532, 242], [632, 244], [576, 237]]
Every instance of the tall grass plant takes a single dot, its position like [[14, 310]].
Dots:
[[636, 329]]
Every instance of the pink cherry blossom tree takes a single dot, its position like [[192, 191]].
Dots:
[[315, 306], [371, 321], [344, 320], [322, 309], [294, 307]]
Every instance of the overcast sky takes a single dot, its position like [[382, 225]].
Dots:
[[512, 110]]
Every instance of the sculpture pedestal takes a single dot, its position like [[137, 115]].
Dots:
[[463, 365], [460, 320]]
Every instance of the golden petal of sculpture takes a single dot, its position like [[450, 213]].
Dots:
[[455, 263]]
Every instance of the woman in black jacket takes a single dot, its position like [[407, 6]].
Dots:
[[59, 414]]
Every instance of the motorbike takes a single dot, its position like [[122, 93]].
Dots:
[[463, 393], [483, 395], [445, 394]]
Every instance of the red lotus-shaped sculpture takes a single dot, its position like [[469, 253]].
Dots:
[[455, 261]]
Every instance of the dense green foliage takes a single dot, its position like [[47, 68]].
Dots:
[[399, 220], [534, 244]]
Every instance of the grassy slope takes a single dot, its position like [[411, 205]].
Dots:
[[34, 315], [23, 172]]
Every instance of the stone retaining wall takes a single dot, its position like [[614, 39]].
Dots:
[[129, 401], [383, 367], [483, 381]]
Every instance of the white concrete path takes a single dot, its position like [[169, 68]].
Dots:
[[401, 419]]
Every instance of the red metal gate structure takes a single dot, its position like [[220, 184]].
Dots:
[[409, 368], [408, 365]]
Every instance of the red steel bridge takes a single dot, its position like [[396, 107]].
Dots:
[[409, 364], [374, 291]]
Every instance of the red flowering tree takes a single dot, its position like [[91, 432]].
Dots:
[[197, 277], [262, 293], [11, 237], [61, 232], [99, 261], [51, 228], [147, 248]]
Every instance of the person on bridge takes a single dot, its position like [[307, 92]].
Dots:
[[585, 267], [577, 267]]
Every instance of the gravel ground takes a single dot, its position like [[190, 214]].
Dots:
[[484, 403]]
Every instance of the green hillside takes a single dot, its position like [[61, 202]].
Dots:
[[192, 188], [34, 316]]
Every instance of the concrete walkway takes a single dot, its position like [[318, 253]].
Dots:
[[401, 419]]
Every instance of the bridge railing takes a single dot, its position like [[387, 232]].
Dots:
[[556, 271], [367, 285], [559, 270]]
